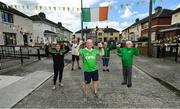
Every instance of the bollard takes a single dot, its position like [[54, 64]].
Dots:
[[176, 56], [38, 53], [21, 55], [14, 51], [2, 52]]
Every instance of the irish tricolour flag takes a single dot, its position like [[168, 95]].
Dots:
[[94, 14]]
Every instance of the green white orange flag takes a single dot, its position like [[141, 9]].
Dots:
[[94, 14]]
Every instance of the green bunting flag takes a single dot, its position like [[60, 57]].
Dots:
[[154, 1], [137, 3], [122, 6], [55, 8], [40, 7], [68, 8]]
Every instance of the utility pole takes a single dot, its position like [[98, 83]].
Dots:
[[149, 29], [177, 46]]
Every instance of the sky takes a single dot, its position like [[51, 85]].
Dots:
[[119, 17]]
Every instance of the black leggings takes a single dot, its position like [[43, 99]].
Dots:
[[56, 71]]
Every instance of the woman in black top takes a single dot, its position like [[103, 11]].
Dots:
[[58, 62]]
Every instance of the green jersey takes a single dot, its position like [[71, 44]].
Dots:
[[127, 55], [107, 50], [89, 59]]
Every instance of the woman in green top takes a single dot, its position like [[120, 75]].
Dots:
[[106, 56], [127, 54]]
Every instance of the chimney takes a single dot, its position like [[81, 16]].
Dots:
[[137, 20], [42, 15], [59, 24], [158, 9], [107, 27]]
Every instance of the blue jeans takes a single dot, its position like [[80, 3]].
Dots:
[[105, 61]]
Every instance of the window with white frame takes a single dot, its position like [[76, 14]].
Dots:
[[7, 17]]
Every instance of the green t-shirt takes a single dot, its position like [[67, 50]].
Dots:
[[107, 51], [127, 55], [89, 59]]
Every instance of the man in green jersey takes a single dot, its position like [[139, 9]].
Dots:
[[127, 54], [89, 62]]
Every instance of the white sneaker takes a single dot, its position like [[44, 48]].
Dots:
[[54, 87], [61, 84]]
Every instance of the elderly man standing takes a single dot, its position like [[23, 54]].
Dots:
[[89, 55], [127, 54]]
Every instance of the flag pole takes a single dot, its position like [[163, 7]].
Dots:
[[82, 20]]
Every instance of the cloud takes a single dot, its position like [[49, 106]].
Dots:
[[110, 24], [141, 15], [107, 3], [124, 24], [120, 11], [69, 19], [178, 6], [103, 24], [127, 13]]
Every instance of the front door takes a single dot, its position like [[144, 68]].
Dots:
[[25, 40], [105, 39]]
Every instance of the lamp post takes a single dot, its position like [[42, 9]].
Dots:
[[96, 32], [107, 33], [86, 32], [149, 29]]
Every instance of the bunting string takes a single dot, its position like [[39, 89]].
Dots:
[[63, 8]]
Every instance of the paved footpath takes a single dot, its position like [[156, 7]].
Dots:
[[168, 71], [145, 93], [17, 84]]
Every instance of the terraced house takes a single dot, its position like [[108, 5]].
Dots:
[[15, 27], [161, 18], [170, 33], [46, 31], [102, 34]]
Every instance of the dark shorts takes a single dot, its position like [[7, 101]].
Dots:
[[74, 57], [91, 75]]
